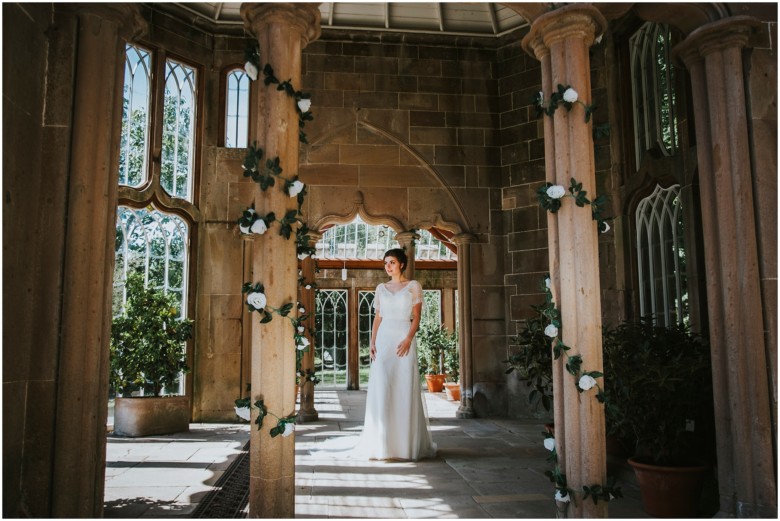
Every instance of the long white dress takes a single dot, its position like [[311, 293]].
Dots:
[[395, 424]]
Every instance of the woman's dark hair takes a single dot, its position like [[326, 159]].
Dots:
[[400, 256]]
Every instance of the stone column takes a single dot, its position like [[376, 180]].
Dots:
[[746, 477], [307, 412], [79, 449], [406, 240], [463, 242], [282, 31], [560, 39]]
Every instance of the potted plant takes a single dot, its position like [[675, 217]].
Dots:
[[532, 363], [148, 353], [430, 353], [451, 365], [658, 399]]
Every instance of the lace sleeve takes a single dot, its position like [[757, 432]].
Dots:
[[416, 291], [376, 298]]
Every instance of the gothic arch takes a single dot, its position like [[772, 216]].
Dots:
[[360, 122]]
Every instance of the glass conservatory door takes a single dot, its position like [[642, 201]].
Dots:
[[330, 355]]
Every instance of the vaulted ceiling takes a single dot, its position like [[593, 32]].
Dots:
[[467, 19]]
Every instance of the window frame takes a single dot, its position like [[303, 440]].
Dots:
[[223, 96]]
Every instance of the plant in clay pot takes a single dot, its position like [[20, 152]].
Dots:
[[148, 352], [658, 399], [431, 345]]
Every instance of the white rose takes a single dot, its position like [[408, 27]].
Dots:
[[570, 95], [244, 229], [560, 497], [304, 104], [549, 444], [556, 192], [547, 283], [289, 428], [308, 286], [301, 329], [541, 97], [250, 70], [301, 310], [259, 227], [302, 256], [551, 331], [586, 382], [295, 188], [242, 412], [605, 228], [256, 299], [303, 343]]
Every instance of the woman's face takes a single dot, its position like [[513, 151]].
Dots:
[[392, 266]]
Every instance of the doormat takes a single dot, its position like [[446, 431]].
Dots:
[[230, 497]]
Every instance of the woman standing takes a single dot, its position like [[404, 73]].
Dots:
[[395, 424]]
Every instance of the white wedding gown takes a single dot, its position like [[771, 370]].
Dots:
[[395, 425]]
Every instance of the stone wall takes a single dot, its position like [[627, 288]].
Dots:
[[37, 106], [410, 121]]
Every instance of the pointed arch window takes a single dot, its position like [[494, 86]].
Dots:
[[237, 109], [661, 257], [654, 100]]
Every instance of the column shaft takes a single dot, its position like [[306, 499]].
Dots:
[[307, 412], [282, 30], [713, 54], [561, 39], [466, 408], [79, 452]]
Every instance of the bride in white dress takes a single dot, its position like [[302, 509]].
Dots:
[[395, 425]]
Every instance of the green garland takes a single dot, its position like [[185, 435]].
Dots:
[[550, 198]]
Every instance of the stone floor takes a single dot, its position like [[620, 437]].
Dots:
[[485, 468]]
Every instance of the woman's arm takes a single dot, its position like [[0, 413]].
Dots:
[[406, 344], [374, 329]]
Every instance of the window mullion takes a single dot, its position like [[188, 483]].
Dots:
[[158, 89]]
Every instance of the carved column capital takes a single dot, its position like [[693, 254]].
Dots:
[[724, 34], [301, 18], [406, 238], [462, 239], [572, 21], [127, 17]]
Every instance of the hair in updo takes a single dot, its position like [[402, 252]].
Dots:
[[400, 256]]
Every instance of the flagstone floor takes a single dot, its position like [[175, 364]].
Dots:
[[485, 468]]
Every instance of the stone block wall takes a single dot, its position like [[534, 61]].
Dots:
[[411, 122], [38, 61]]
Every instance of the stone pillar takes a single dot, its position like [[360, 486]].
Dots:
[[282, 31], [406, 240], [79, 448], [307, 412], [746, 462], [463, 242], [560, 39]]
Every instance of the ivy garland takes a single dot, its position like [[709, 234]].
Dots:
[[584, 381], [265, 174], [550, 198], [302, 99], [565, 96]]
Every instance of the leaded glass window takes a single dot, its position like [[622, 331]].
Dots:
[[155, 244], [331, 324], [134, 140], [365, 323], [654, 100], [661, 257], [178, 134], [237, 113]]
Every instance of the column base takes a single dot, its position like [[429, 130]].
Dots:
[[307, 416], [465, 412]]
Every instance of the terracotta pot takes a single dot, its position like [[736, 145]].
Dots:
[[147, 416], [669, 491], [453, 391], [435, 382]]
